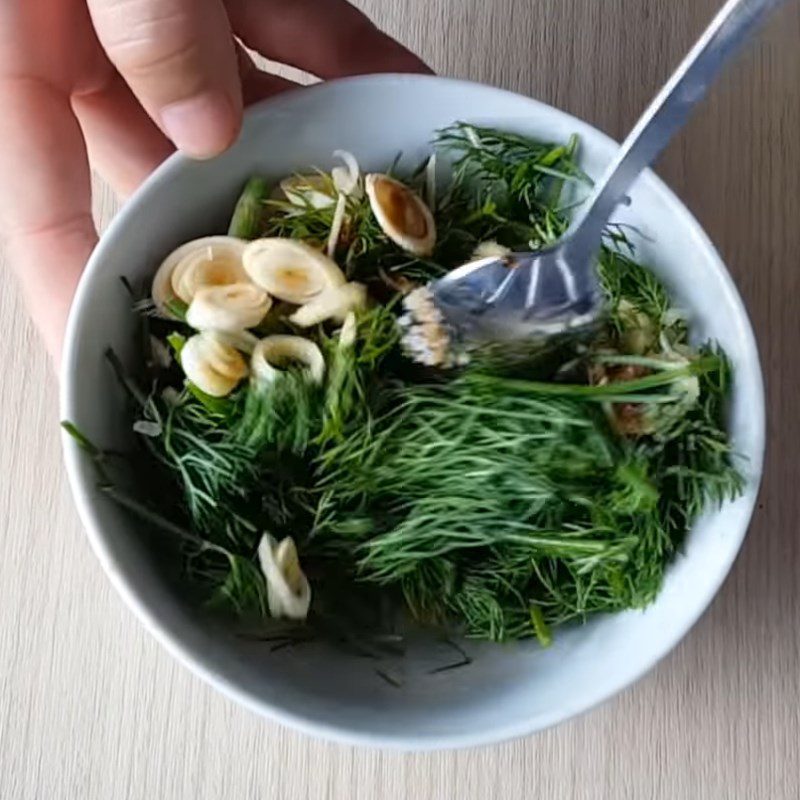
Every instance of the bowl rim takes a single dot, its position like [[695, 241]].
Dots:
[[84, 492]]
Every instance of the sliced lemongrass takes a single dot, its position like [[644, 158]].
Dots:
[[243, 341], [333, 304], [232, 308], [210, 261], [212, 365], [290, 270], [170, 395], [274, 354], [349, 330], [402, 214], [213, 265], [160, 353], [161, 290], [346, 179], [288, 589], [490, 249], [430, 182], [248, 215], [336, 225], [316, 191], [149, 428]]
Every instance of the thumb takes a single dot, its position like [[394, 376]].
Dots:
[[179, 59]]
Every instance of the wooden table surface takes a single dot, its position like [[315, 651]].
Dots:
[[92, 708]]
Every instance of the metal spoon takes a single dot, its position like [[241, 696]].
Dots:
[[555, 289]]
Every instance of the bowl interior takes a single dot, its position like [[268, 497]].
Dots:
[[508, 690]]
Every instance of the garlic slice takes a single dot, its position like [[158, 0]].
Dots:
[[402, 214], [288, 589], [308, 190], [232, 308], [210, 261], [290, 270], [333, 304], [211, 365], [274, 353]]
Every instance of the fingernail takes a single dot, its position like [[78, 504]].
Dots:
[[201, 126]]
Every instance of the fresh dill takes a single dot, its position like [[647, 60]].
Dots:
[[481, 496], [494, 502]]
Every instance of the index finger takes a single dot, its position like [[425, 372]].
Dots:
[[178, 57], [45, 208]]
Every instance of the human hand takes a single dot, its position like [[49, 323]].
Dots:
[[120, 83]]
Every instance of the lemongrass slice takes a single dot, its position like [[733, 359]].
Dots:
[[211, 365], [161, 290], [348, 332], [274, 354], [346, 178], [290, 270], [248, 215], [490, 249], [288, 589], [234, 307], [333, 304], [402, 214], [430, 182], [210, 261], [217, 263], [315, 191], [336, 225], [243, 341]]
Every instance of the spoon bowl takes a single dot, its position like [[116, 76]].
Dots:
[[555, 289], [518, 296]]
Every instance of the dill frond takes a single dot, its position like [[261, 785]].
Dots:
[[499, 499]]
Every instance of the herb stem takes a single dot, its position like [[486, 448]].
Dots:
[[604, 392]]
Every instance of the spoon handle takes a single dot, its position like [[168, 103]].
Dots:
[[735, 23]]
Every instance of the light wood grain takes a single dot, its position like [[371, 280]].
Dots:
[[92, 708]]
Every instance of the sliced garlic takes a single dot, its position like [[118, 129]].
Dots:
[[273, 354], [402, 214], [316, 191], [232, 308], [333, 304], [490, 249], [290, 270], [288, 589], [210, 261], [212, 365]]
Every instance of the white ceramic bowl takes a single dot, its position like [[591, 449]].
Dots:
[[508, 690]]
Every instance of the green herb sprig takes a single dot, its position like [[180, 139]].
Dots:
[[498, 502]]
